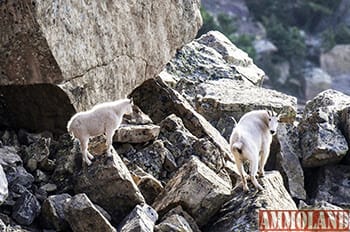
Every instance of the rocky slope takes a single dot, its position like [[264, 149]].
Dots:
[[171, 168]]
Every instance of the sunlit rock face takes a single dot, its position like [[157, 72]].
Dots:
[[94, 51]]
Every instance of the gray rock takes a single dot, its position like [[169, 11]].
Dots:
[[26, 209], [333, 183], [287, 160], [82, 215], [9, 157], [151, 158], [52, 212], [19, 175], [37, 155], [322, 142], [335, 61], [3, 186], [196, 188], [241, 212], [177, 220], [142, 218], [136, 133], [149, 186], [108, 183], [167, 101], [316, 81], [91, 61], [221, 81]]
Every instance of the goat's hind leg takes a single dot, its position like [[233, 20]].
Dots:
[[243, 174], [253, 172]]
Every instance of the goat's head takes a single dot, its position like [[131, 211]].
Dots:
[[273, 120], [129, 106]]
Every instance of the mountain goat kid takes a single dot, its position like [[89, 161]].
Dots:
[[250, 140], [102, 118]]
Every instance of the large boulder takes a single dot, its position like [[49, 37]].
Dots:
[[52, 212], [336, 61], [333, 185], [316, 81], [108, 183], [241, 212], [81, 53], [82, 215], [198, 189], [321, 139], [221, 81], [26, 208], [166, 101]]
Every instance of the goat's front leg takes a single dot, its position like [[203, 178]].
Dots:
[[109, 141], [264, 155], [253, 172], [84, 150]]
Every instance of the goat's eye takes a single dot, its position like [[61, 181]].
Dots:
[[270, 119]]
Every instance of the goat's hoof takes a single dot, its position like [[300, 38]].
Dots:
[[260, 188], [261, 174]]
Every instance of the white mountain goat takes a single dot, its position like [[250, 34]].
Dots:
[[250, 140], [102, 118]]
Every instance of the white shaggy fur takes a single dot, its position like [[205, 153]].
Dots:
[[250, 139], [102, 118]]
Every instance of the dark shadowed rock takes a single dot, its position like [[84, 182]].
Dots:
[[322, 141], [26, 209], [52, 212], [3, 186], [177, 220], [82, 215], [287, 160], [149, 186], [241, 212], [151, 158], [108, 183], [345, 128], [318, 205], [197, 188], [333, 183], [19, 175], [141, 219], [37, 155]]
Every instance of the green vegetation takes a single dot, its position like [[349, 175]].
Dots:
[[226, 25]]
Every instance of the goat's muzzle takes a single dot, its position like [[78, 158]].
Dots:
[[272, 132]]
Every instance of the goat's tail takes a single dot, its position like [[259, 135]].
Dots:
[[237, 146], [69, 126]]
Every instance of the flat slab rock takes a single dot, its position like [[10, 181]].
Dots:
[[136, 133], [241, 212], [198, 189]]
